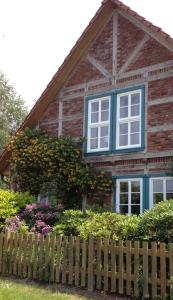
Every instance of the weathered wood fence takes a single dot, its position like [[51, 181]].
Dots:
[[127, 268]]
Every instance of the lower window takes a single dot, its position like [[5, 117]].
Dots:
[[161, 189], [129, 196]]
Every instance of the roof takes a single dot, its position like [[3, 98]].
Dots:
[[75, 55]]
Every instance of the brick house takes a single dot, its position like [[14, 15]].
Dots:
[[116, 88]]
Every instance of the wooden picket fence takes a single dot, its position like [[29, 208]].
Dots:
[[144, 270]]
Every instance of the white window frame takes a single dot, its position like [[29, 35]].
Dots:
[[98, 125], [128, 120], [118, 181], [164, 188]]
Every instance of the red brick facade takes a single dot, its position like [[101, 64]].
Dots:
[[87, 79]]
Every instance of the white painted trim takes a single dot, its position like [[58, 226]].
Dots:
[[128, 120], [129, 180], [151, 204], [98, 125]]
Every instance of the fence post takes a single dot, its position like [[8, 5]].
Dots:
[[90, 264]]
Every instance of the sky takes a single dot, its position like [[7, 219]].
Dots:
[[37, 35]]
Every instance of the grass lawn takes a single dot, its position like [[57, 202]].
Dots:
[[22, 290]]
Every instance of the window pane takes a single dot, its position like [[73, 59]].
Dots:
[[123, 209], [94, 106], [94, 143], [124, 128], [134, 139], [157, 198], [158, 186], [134, 126], [94, 117], [123, 140], [135, 98], [123, 198], [123, 101], [94, 132], [135, 209], [135, 186], [135, 198], [123, 112], [169, 196], [104, 115], [104, 142], [135, 110], [105, 105], [123, 187], [169, 185], [104, 131]]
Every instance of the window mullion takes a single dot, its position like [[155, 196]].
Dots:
[[164, 189], [129, 197]]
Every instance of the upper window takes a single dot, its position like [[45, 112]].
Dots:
[[115, 122], [129, 120], [161, 189], [99, 124]]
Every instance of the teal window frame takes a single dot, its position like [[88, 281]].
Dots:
[[113, 123], [146, 187]]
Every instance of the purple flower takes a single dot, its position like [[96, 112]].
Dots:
[[40, 215], [33, 229], [49, 216], [40, 223], [30, 207], [46, 230]]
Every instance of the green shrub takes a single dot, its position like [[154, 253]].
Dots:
[[70, 222], [11, 203], [157, 223]]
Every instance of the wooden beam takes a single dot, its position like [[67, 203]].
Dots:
[[99, 67], [115, 44], [134, 54], [146, 29]]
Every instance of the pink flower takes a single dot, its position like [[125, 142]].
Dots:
[[40, 223], [30, 207]]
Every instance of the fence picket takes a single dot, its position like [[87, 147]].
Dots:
[[120, 267], [64, 264], [16, 241], [35, 256], [1, 250], [113, 266], [106, 243], [77, 261], [20, 255], [128, 268], [25, 256], [145, 269], [30, 257], [154, 269], [171, 269], [58, 259], [83, 274], [162, 270], [52, 267], [99, 263], [90, 264], [71, 257]]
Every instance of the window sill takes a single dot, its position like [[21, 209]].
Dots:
[[129, 150]]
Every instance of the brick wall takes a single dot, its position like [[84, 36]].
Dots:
[[157, 115]]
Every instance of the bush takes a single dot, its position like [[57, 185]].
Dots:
[[11, 203], [157, 224]]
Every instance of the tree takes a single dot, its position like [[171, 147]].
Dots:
[[12, 111], [41, 162]]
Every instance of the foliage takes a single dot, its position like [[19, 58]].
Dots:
[[11, 203], [12, 111], [40, 162], [15, 224], [157, 223]]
